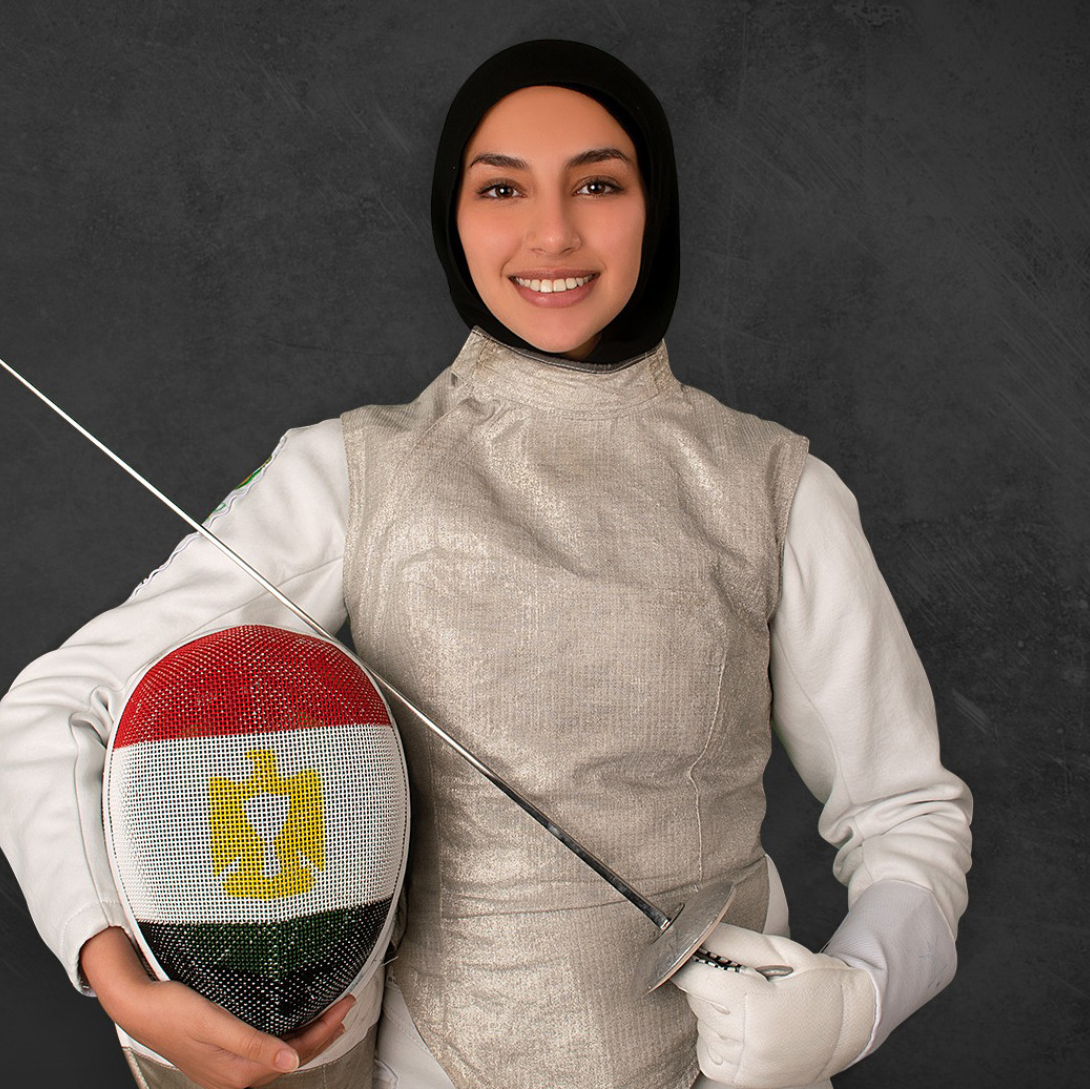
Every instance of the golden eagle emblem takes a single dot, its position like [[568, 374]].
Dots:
[[267, 811]]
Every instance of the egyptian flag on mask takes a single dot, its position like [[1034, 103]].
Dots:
[[256, 815]]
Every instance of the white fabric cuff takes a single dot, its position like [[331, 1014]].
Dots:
[[896, 932], [83, 926]]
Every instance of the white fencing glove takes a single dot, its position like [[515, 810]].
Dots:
[[792, 1029]]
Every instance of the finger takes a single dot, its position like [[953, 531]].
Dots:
[[322, 1024], [722, 1050], [726, 1017], [715, 1013], [335, 1014], [721, 986], [314, 1038], [716, 1062], [752, 948], [315, 1050], [305, 1057], [268, 1053]]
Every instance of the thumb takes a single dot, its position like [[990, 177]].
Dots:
[[267, 1051], [706, 985], [756, 950]]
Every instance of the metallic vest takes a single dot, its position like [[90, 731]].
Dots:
[[573, 571]]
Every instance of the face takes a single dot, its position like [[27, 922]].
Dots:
[[551, 214]]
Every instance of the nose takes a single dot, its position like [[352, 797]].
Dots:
[[552, 228]]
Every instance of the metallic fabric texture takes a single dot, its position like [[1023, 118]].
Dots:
[[573, 570]]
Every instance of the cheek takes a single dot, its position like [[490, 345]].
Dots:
[[625, 242], [469, 234], [483, 236]]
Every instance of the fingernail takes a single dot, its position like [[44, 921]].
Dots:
[[286, 1060]]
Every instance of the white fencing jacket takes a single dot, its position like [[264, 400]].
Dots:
[[851, 705]]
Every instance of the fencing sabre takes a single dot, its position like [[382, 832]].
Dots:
[[681, 931]]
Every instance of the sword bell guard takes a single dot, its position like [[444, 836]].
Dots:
[[683, 935]]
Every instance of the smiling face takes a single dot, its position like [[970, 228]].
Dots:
[[551, 215]]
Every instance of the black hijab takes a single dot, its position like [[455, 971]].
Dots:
[[643, 321]]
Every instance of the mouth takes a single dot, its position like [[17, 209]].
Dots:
[[554, 285], [553, 291]]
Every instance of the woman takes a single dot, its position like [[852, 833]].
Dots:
[[591, 569]]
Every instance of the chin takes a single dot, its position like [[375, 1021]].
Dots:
[[557, 343]]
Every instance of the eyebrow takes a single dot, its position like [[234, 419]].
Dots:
[[509, 162]]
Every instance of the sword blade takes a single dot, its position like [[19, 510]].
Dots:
[[658, 917]]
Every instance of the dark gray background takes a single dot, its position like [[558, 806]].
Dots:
[[213, 226]]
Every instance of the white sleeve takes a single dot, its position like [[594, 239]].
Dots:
[[853, 708], [288, 520]]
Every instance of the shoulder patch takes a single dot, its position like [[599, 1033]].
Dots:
[[228, 501], [246, 484]]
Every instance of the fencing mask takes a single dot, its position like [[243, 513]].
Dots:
[[256, 815]]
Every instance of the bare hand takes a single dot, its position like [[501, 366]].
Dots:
[[206, 1043], [311, 1040]]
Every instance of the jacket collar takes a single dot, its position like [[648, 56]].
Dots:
[[568, 386]]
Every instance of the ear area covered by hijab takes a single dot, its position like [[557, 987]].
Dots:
[[643, 321]]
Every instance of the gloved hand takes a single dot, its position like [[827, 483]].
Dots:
[[771, 1033]]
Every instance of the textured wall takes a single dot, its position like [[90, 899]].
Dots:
[[213, 227]]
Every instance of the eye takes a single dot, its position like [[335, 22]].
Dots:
[[599, 187], [497, 191]]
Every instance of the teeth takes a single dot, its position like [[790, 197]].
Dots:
[[547, 286]]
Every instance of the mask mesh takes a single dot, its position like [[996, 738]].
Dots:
[[256, 813]]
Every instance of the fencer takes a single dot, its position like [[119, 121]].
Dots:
[[613, 584]]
